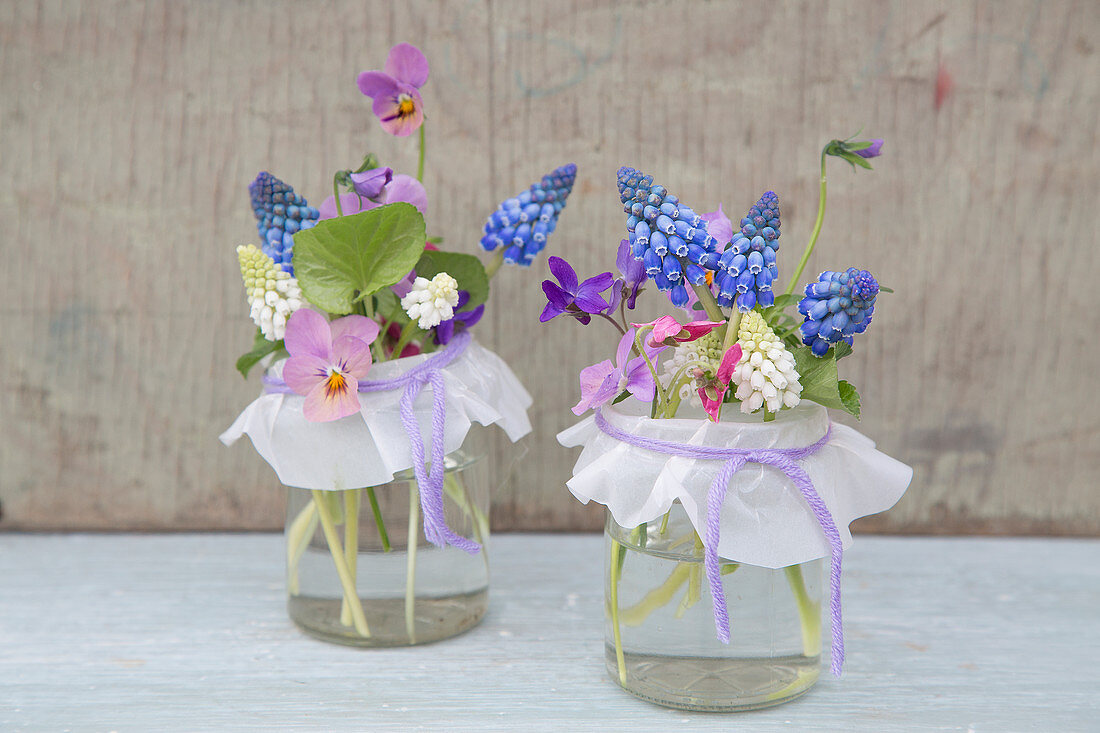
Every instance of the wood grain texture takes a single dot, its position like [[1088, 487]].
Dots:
[[190, 632], [129, 131]]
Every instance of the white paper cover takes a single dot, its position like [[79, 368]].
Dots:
[[764, 520], [367, 449]]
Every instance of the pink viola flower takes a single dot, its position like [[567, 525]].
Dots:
[[603, 382], [400, 188], [326, 362], [714, 393], [397, 103], [667, 331]]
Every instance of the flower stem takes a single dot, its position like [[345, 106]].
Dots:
[[664, 522], [659, 596], [614, 594], [410, 566], [639, 348], [420, 157], [495, 262], [814, 234], [298, 539], [710, 305], [351, 594], [613, 322], [336, 195], [351, 545], [377, 512], [809, 612], [406, 336]]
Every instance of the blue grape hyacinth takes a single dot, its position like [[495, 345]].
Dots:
[[279, 214], [669, 238], [837, 306], [523, 223], [748, 264]]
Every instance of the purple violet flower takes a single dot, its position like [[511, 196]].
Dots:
[[872, 152], [603, 382], [633, 275], [369, 184], [397, 103], [567, 296], [462, 320]]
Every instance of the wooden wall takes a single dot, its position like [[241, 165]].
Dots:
[[129, 132]]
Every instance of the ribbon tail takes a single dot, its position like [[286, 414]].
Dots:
[[716, 495], [431, 493]]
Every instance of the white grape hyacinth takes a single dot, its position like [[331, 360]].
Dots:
[[430, 302], [273, 293], [765, 374]]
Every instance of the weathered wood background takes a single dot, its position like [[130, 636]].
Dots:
[[129, 132]]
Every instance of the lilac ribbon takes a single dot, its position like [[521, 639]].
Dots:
[[429, 479], [786, 460]]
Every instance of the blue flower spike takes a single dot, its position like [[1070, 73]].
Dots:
[[837, 306], [523, 223], [748, 264], [279, 214], [668, 237]]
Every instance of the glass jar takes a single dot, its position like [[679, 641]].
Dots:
[[660, 633], [389, 590]]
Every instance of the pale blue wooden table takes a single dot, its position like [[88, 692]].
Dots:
[[189, 632]]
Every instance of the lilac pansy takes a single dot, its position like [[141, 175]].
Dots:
[[603, 382], [394, 91]]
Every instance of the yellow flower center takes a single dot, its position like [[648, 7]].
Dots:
[[335, 384], [405, 105]]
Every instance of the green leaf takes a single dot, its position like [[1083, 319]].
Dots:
[[388, 305], [818, 377], [784, 299], [622, 396], [467, 269], [352, 256], [435, 239], [261, 347], [857, 160], [849, 396], [884, 289], [841, 349]]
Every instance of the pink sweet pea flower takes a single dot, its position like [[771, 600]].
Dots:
[[397, 102], [667, 331], [601, 383], [713, 393], [326, 362]]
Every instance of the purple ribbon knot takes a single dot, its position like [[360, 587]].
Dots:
[[430, 477], [784, 459]]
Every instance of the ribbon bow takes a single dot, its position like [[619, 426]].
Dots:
[[784, 459]]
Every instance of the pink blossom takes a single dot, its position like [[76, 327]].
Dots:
[[326, 362], [667, 331], [603, 382], [394, 91], [713, 394]]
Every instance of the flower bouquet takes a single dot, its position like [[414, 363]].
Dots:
[[726, 483], [373, 382]]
